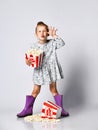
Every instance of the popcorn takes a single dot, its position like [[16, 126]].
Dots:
[[50, 110], [38, 118], [36, 56]]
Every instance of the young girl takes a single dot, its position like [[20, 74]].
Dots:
[[50, 70]]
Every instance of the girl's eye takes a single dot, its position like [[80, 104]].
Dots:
[[42, 31]]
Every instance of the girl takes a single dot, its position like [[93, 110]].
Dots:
[[50, 70]]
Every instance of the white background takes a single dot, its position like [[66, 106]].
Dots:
[[77, 24]]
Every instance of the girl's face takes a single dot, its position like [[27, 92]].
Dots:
[[41, 34]]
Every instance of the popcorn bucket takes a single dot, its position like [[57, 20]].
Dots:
[[36, 57], [50, 110]]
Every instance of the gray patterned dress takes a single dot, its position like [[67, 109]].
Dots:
[[50, 70]]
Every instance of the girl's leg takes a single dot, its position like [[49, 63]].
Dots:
[[53, 88], [36, 90], [28, 109], [58, 98]]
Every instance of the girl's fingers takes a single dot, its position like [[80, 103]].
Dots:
[[29, 61], [52, 31]]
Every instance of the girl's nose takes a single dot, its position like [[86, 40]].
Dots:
[[42, 33]]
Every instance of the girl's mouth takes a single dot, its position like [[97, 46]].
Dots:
[[42, 36]]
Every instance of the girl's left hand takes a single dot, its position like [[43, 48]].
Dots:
[[52, 32]]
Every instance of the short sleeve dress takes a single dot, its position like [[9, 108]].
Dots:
[[50, 70]]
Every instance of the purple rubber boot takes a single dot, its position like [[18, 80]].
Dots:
[[28, 107], [59, 101]]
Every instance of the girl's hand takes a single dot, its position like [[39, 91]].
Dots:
[[52, 32], [28, 61]]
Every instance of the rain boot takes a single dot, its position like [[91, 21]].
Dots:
[[59, 101], [28, 109]]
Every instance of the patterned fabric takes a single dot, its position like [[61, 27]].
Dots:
[[50, 70]]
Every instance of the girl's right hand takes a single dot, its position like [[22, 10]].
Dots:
[[28, 61]]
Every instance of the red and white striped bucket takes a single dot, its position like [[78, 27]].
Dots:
[[50, 110], [36, 57]]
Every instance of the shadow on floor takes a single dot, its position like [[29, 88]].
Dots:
[[75, 95]]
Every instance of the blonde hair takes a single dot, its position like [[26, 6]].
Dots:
[[40, 23]]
